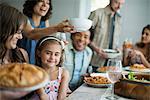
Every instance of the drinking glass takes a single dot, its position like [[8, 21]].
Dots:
[[114, 74]]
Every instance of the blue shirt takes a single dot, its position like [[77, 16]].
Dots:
[[78, 63], [29, 44]]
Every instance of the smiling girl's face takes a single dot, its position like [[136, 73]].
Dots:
[[51, 54]]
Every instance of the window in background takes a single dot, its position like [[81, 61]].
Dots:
[[95, 4]]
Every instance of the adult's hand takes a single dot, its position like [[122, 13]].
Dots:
[[101, 53], [98, 50], [65, 26]]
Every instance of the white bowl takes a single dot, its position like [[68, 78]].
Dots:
[[112, 53], [81, 24]]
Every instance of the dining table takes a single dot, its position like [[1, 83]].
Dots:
[[85, 92]]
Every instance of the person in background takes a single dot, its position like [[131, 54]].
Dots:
[[49, 56], [141, 52], [12, 23], [78, 57], [38, 13], [105, 31]]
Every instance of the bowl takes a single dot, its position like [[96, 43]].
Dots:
[[134, 89], [80, 24], [111, 53]]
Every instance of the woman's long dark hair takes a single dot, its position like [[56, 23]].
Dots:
[[142, 45], [28, 9], [11, 19]]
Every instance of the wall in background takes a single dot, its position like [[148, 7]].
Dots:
[[64, 9], [16, 3], [148, 4], [135, 14]]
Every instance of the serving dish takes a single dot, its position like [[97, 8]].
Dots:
[[138, 88], [32, 88], [127, 68], [80, 24], [111, 53], [97, 80], [97, 85], [22, 77]]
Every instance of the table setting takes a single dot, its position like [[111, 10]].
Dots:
[[115, 82]]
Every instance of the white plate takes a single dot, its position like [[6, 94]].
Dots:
[[112, 53], [136, 70], [97, 85], [98, 74], [35, 87]]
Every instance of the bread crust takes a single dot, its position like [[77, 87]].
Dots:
[[20, 75]]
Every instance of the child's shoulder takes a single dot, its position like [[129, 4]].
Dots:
[[65, 72]]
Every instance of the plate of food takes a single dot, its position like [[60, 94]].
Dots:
[[111, 53], [137, 68], [97, 80], [22, 77], [103, 69]]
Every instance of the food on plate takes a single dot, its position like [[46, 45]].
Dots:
[[97, 80], [134, 77], [18, 75], [137, 66], [105, 68]]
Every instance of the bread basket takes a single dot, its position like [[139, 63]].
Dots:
[[135, 89]]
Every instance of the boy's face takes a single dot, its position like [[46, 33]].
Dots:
[[80, 40]]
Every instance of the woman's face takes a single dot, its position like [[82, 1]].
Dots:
[[146, 36], [12, 40], [41, 8], [51, 54]]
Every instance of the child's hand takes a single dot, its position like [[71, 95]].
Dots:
[[68, 91], [86, 75]]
